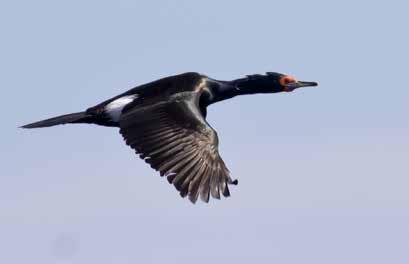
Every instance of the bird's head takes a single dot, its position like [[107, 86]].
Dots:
[[272, 82]]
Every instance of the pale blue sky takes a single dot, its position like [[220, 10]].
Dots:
[[323, 172]]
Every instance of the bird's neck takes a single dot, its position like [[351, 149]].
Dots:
[[222, 90]]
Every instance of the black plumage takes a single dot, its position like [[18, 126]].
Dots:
[[164, 122]]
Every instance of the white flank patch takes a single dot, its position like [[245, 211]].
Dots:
[[114, 108]]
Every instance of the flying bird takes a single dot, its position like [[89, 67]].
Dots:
[[164, 121]]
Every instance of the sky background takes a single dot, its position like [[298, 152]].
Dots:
[[323, 172]]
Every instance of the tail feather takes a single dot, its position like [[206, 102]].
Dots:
[[80, 117]]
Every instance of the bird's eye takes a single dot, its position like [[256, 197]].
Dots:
[[286, 80]]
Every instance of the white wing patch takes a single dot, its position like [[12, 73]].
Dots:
[[114, 108]]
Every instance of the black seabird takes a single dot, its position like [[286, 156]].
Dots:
[[165, 123]]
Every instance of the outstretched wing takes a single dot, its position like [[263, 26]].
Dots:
[[175, 139]]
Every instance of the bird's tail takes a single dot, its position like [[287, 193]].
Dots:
[[80, 117]]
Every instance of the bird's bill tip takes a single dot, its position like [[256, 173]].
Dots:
[[299, 84], [307, 84]]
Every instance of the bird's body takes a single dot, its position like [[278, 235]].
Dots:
[[176, 87], [164, 122]]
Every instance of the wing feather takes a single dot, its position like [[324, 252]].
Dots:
[[175, 139]]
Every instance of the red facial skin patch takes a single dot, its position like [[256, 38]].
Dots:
[[286, 80]]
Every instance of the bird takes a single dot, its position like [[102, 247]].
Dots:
[[164, 122]]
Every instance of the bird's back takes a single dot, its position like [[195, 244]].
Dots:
[[168, 86], [161, 89]]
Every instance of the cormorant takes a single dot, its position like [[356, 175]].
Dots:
[[164, 121]]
